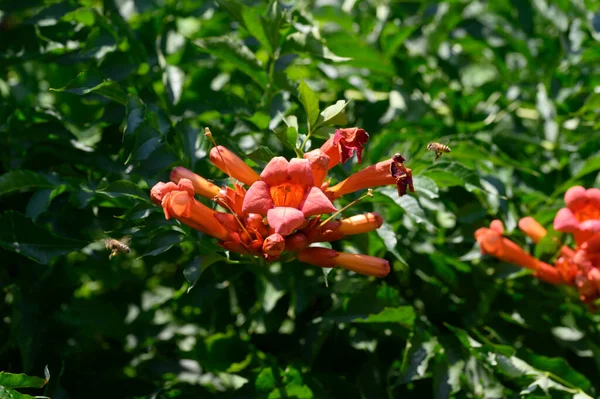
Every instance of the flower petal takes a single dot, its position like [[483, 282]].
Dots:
[[258, 199], [284, 220], [565, 221], [592, 225], [300, 172], [593, 195], [276, 171], [575, 197], [315, 203]]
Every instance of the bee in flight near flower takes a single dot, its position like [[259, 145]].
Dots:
[[438, 148], [117, 246]]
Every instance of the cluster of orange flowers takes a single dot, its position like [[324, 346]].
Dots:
[[284, 208], [579, 267]]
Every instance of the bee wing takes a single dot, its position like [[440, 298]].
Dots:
[[125, 240]]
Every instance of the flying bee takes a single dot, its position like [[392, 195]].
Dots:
[[117, 246], [438, 148]]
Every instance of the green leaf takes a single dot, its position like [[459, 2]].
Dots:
[[557, 366], [162, 242], [334, 115], [85, 84], [125, 188], [20, 381], [21, 235], [310, 102], [261, 155], [232, 50], [38, 203], [22, 180], [453, 174], [135, 114], [388, 236], [265, 381], [288, 135], [197, 266], [408, 203], [403, 315], [7, 393], [426, 186], [250, 19], [307, 43]]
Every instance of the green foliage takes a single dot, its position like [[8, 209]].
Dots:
[[100, 99], [10, 381]]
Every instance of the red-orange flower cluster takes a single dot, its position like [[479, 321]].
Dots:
[[580, 267], [283, 207]]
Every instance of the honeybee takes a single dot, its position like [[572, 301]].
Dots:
[[438, 148], [117, 246]]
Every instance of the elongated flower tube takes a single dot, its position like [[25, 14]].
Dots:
[[202, 186], [372, 176], [492, 242], [362, 264], [178, 202], [232, 165]]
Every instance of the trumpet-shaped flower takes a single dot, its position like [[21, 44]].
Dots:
[[283, 209], [286, 195], [579, 267], [582, 214]]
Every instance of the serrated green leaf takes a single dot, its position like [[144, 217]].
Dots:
[[21, 235]]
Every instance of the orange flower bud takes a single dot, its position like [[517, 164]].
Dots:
[[273, 246], [532, 228], [363, 264], [296, 242], [359, 224], [232, 165], [202, 186]]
